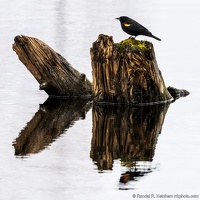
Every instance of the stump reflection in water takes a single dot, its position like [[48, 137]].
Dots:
[[127, 133], [53, 117]]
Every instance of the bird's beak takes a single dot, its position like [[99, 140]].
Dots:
[[117, 18]]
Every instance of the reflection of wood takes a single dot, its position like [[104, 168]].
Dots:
[[129, 134], [54, 74], [126, 72], [53, 117]]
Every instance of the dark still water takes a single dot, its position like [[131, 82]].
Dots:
[[72, 150]]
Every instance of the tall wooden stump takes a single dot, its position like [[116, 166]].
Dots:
[[126, 73], [53, 72]]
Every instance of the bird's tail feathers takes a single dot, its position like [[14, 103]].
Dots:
[[153, 36]]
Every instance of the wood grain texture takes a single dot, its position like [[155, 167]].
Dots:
[[126, 74], [53, 72]]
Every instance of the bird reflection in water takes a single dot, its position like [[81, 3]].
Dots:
[[136, 171]]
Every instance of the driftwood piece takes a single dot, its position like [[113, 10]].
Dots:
[[126, 73], [127, 133], [48, 123], [54, 74], [177, 93]]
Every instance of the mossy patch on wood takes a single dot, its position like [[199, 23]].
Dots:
[[132, 43]]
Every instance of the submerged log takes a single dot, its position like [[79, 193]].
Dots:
[[126, 73], [54, 74]]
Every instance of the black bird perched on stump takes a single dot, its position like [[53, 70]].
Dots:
[[133, 28]]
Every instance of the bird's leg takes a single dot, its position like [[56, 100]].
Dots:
[[132, 37]]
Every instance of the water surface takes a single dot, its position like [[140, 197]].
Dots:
[[64, 167]]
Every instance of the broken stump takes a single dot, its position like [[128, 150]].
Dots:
[[123, 73], [126, 73]]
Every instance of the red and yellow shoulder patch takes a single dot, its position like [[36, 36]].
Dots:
[[125, 24]]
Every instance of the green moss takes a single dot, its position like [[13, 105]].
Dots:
[[132, 42]]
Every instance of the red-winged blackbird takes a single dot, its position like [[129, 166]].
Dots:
[[132, 27]]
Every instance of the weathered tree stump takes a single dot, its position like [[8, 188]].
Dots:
[[123, 73], [126, 73], [53, 72]]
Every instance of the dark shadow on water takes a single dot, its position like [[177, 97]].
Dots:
[[53, 117], [128, 134]]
